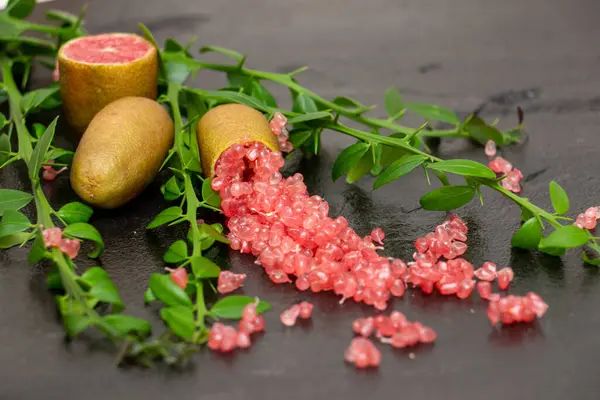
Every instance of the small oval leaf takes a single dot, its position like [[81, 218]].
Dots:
[[559, 198], [432, 112], [231, 307], [528, 236], [398, 169], [348, 158], [464, 168], [83, 230], [565, 237], [75, 212], [447, 198], [167, 291], [168, 215]]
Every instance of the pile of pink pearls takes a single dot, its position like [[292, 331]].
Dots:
[[291, 234], [226, 338], [513, 176]]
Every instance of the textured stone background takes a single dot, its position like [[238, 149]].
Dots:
[[540, 54]]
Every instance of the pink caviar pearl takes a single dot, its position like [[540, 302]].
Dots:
[[487, 272], [52, 237], [363, 326], [377, 235], [363, 353], [180, 277], [306, 310], [505, 276], [243, 340], [289, 316], [228, 281], [70, 247], [490, 148], [484, 289]]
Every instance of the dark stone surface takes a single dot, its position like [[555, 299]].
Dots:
[[540, 54]]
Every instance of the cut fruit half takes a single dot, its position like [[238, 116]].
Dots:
[[97, 70]]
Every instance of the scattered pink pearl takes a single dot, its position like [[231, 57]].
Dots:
[[52, 237], [513, 309], [228, 281], [505, 276], [289, 316], [588, 219], [180, 277], [378, 235], [363, 353], [306, 310], [487, 272], [50, 173], [70, 247], [484, 289], [490, 148]]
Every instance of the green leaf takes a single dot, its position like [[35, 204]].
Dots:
[[148, 35], [75, 212], [53, 281], [94, 276], [13, 200], [559, 198], [28, 45], [209, 231], [310, 117], [393, 102], [565, 237], [168, 215], [348, 158], [528, 236], [463, 167], [190, 159], [226, 52], [304, 104], [431, 112], [181, 321], [35, 98], [360, 169], [40, 150], [60, 154], [106, 292], [20, 8], [4, 148], [299, 137], [170, 189], [62, 16], [234, 97], [231, 307], [126, 324], [15, 239], [149, 296], [13, 222], [259, 92], [75, 324], [595, 250], [202, 267], [85, 231], [172, 46], [167, 291], [399, 168], [210, 196], [442, 177], [553, 251], [178, 71], [526, 214], [447, 198], [479, 130], [237, 80], [37, 251], [350, 104], [176, 253]]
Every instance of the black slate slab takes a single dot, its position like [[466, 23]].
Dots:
[[540, 54]]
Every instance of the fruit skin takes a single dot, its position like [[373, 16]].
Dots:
[[121, 151], [87, 88], [226, 125]]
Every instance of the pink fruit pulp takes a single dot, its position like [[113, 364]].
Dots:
[[107, 49]]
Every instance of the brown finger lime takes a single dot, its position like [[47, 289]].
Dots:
[[226, 125], [97, 70], [121, 151]]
